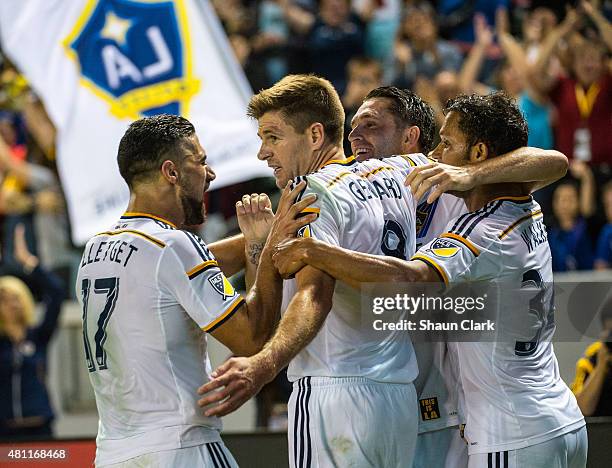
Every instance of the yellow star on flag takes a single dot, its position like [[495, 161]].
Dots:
[[115, 28]]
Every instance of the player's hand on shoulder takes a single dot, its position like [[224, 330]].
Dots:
[[289, 217], [234, 383], [439, 178], [255, 216]]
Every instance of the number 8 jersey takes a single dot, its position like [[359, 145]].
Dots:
[[148, 292]]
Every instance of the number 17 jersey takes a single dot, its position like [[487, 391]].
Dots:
[[149, 291]]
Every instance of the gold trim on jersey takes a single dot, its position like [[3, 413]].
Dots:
[[196, 270], [522, 198], [344, 162], [433, 264], [147, 215], [464, 241], [337, 179], [413, 163], [151, 239], [519, 221], [311, 209], [409, 159], [377, 170], [225, 315]]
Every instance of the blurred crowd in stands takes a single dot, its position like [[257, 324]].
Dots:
[[552, 56]]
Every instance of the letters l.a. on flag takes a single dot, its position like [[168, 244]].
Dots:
[[100, 64]]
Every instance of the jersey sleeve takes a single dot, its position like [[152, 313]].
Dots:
[[328, 226], [191, 275], [464, 251]]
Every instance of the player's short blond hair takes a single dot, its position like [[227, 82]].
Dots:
[[303, 100], [16, 286]]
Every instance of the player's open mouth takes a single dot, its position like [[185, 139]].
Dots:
[[361, 151]]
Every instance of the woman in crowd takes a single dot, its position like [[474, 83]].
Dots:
[[25, 409]]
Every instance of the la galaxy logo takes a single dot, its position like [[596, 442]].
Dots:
[[135, 55], [222, 285], [304, 231], [444, 248]]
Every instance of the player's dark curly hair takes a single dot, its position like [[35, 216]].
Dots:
[[409, 109], [494, 120], [148, 142]]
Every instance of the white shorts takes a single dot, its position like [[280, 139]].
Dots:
[[566, 451], [211, 455], [351, 422], [443, 448]]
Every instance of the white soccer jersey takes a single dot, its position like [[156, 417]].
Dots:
[[148, 292], [514, 395], [438, 382], [363, 207]]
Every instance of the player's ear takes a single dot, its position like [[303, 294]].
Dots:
[[316, 135], [411, 139], [170, 171], [479, 152]]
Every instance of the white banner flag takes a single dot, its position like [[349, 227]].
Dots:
[[100, 64]]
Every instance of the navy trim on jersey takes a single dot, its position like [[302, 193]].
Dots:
[[430, 214], [201, 268], [158, 221], [229, 314], [194, 240], [485, 215], [466, 218], [295, 182], [474, 218]]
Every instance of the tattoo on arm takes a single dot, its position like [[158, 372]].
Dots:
[[254, 253]]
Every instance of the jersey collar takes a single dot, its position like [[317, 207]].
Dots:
[[344, 162], [133, 214]]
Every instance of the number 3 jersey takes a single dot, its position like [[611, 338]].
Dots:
[[363, 207], [149, 292], [514, 394]]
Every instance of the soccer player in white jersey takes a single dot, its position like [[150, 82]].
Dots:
[[150, 293], [519, 411], [342, 388], [397, 121]]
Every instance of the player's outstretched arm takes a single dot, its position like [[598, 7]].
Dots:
[[348, 266], [534, 167], [242, 378], [229, 253]]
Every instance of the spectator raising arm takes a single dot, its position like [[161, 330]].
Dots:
[[471, 67], [538, 73], [604, 26], [581, 171]]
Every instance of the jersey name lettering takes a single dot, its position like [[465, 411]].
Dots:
[[117, 251]]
